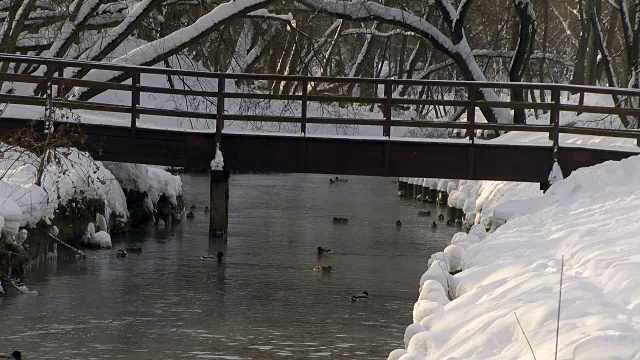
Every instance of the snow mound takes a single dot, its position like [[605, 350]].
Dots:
[[218, 161], [100, 240], [162, 182], [410, 331], [11, 214], [433, 291], [142, 178], [455, 253], [397, 354], [424, 308], [425, 343]]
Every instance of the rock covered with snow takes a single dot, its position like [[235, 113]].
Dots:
[[11, 214], [150, 189], [439, 271], [397, 354], [101, 222], [425, 343], [411, 356], [433, 291], [410, 331], [478, 230], [455, 253], [451, 186], [100, 239], [424, 308]]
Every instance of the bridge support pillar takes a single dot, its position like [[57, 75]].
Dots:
[[219, 204]]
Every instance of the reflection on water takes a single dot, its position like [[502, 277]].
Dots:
[[262, 302]]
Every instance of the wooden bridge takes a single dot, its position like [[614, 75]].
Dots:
[[385, 155]]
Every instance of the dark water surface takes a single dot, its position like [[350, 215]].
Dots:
[[263, 302]]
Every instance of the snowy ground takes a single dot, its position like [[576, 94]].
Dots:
[[590, 219]]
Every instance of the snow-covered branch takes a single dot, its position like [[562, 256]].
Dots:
[[158, 50]]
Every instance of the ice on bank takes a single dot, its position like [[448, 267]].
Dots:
[[590, 218]]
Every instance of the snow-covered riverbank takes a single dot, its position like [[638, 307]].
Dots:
[[590, 219], [68, 194]]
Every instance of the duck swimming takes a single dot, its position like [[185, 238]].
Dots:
[[434, 225], [339, 220], [323, 269], [425, 213], [192, 208], [362, 295], [440, 217], [398, 223], [450, 222], [322, 250], [121, 253], [137, 250], [190, 215], [206, 209]]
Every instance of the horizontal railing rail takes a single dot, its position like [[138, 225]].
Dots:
[[59, 75]]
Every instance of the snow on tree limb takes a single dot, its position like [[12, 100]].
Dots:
[[368, 10], [158, 50], [79, 16], [117, 35]]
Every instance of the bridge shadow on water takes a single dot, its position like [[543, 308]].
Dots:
[[264, 300]]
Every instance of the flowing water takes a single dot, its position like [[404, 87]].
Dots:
[[263, 302]]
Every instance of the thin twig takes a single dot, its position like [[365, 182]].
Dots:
[[559, 302], [12, 253], [525, 336], [67, 245]]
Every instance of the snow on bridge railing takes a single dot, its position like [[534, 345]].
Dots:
[[64, 82]]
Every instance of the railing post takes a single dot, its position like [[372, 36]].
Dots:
[[303, 115], [471, 112], [60, 89], [471, 120], [220, 109], [135, 100], [49, 111], [388, 98], [554, 135]]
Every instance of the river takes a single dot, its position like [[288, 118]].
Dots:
[[263, 302]]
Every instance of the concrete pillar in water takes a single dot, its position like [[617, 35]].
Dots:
[[443, 197], [409, 187], [219, 199], [451, 213]]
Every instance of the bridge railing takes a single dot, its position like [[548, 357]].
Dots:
[[53, 83]]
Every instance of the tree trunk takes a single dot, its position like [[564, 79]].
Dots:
[[583, 44], [526, 40]]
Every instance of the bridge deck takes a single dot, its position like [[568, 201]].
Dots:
[[332, 155]]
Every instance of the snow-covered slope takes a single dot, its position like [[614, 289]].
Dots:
[[590, 218]]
